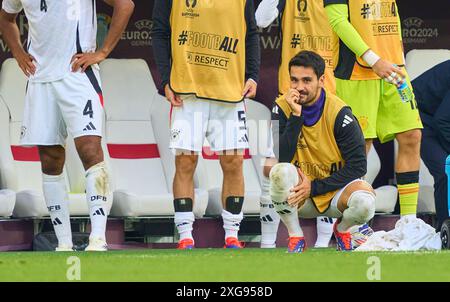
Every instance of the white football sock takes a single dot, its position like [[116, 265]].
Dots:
[[289, 216], [55, 194], [269, 218], [183, 222], [283, 177], [97, 194], [231, 223], [324, 231]]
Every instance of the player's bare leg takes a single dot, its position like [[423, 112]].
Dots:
[[232, 196], [97, 188], [90, 150], [55, 194], [369, 143], [183, 191], [407, 170]]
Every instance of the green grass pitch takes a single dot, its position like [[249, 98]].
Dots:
[[226, 265]]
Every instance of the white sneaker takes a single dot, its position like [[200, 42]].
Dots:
[[64, 248], [97, 245]]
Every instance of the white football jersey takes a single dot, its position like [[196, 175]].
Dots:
[[58, 29]]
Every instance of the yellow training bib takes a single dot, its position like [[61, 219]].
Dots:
[[318, 155], [305, 26], [208, 48], [377, 23]]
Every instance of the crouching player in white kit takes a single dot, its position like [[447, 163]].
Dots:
[[322, 157], [64, 95]]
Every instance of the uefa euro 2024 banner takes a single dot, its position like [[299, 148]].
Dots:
[[424, 25]]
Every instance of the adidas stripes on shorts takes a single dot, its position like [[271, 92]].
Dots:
[[72, 105]]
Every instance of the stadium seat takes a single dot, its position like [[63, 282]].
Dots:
[[386, 196], [417, 62], [7, 202], [142, 166], [20, 166], [420, 60], [210, 174]]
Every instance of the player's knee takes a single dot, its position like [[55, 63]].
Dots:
[[283, 176], [52, 160], [185, 165], [361, 206], [231, 164], [411, 138], [51, 167], [90, 154]]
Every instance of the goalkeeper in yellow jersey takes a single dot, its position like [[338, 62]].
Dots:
[[369, 65]]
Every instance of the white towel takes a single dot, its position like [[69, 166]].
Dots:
[[409, 234]]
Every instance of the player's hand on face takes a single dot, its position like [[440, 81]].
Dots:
[[292, 98], [300, 192], [389, 72], [84, 60], [172, 97], [249, 89], [25, 62]]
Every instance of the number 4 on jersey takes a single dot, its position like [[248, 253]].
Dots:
[[88, 109], [43, 6]]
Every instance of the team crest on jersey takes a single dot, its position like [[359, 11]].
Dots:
[[23, 131], [175, 135], [363, 122]]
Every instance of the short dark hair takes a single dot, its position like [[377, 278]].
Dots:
[[311, 59]]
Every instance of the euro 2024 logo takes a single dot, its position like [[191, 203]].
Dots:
[[191, 3], [302, 7], [416, 31], [190, 13]]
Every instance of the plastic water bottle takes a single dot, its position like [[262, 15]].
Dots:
[[405, 92], [447, 171]]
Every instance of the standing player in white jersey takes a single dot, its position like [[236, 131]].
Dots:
[[64, 95]]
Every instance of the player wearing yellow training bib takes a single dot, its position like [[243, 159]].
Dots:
[[322, 157], [207, 53], [303, 25], [369, 65]]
